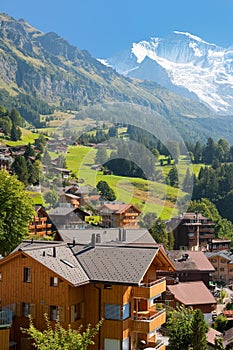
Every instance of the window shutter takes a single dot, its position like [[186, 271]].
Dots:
[[61, 314], [33, 310], [72, 313], [18, 309]]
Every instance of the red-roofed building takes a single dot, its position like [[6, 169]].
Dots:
[[211, 336], [119, 215], [193, 294]]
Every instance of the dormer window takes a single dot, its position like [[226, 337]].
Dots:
[[54, 281]]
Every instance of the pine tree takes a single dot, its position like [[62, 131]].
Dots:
[[197, 153], [188, 182], [159, 233], [19, 167], [29, 151], [173, 177], [199, 330]]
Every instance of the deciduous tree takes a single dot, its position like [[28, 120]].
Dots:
[[59, 338], [16, 212]]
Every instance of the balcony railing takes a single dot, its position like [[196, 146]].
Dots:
[[5, 318], [150, 290], [148, 321]]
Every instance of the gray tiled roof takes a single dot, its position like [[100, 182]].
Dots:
[[125, 265], [82, 264], [111, 235], [64, 264], [223, 253]]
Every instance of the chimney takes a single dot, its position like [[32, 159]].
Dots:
[[120, 238], [124, 235], [98, 238], [54, 252], [74, 242], [93, 240], [44, 253]]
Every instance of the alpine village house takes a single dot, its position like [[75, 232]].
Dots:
[[78, 284]]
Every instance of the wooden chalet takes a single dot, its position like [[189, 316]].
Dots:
[[119, 215], [222, 262], [41, 224], [195, 295], [82, 284], [190, 266], [66, 216], [191, 231]]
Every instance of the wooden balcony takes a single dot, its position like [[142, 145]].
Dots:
[[130, 221], [148, 321], [5, 318], [41, 233], [150, 290], [39, 226]]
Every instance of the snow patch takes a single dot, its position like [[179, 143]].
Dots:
[[197, 51]]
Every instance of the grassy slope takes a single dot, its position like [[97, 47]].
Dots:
[[27, 136], [147, 195]]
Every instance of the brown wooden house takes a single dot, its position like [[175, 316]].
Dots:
[[195, 295], [80, 284], [41, 224], [192, 231], [119, 215], [66, 216], [191, 266], [222, 262]]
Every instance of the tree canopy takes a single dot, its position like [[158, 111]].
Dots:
[[16, 212], [59, 338], [106, 191], [186, 329]]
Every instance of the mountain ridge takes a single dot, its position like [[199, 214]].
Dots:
[[45, 66], [184, 63]]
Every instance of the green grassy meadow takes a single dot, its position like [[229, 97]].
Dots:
[[27, 136], [148, 196]]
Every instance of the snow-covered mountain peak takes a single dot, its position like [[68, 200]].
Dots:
[[183, 63], [193, 37]]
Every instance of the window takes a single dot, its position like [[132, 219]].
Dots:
[[54, 316], [112, 344], [221, 268], [112, 311], [26, 309], [77, 311], [54, 281], [0, 276], [27, 274], [213, 260], [223, 261], [125, 311]]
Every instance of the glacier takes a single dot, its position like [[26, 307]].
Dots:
[[183, 63]]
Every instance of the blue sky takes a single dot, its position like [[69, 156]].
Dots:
[[105, 27]]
